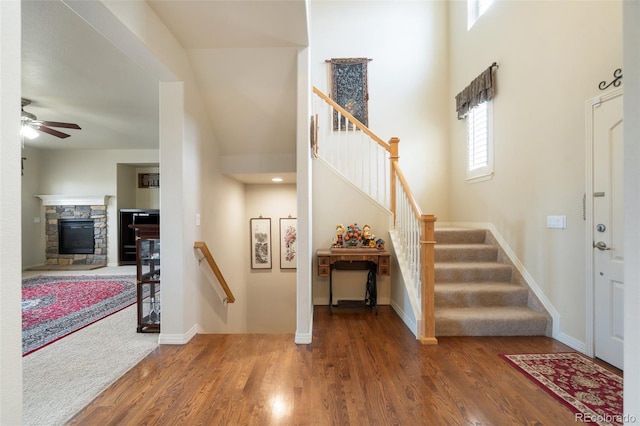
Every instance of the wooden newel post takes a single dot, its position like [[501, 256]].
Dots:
[[393, 158], [427, 328]]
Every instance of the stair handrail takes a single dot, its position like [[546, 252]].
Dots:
[[352, 119], [351, 148], [202, 246], [418, 236]]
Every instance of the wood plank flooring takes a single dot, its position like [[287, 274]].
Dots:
[[360, 369]]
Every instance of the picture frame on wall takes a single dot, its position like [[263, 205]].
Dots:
[[288, 243], [148, 180], [260, 231]]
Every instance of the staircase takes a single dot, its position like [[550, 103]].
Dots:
[[478, 292]]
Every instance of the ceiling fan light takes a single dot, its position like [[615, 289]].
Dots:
[[28, 132]]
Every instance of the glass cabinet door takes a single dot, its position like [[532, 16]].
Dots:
[[148, 275]]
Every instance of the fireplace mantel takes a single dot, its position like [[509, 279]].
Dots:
[[74, 200]]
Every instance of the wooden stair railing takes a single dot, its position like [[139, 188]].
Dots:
[[202, 246], [417, 228], [424, 258]]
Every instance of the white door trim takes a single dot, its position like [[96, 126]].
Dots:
[[591, 105]]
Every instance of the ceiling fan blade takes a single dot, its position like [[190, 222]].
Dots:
[[59, 124], [52, 132]]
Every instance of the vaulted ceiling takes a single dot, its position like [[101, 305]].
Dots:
[[243, 54]]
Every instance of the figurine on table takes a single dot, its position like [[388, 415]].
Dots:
[[338, 240], [369, 240]]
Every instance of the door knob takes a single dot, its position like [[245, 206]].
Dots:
[[600, 245]]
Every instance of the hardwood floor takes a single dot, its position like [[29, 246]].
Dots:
[[361, 369]]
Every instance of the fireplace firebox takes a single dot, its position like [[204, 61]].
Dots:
[[76, 236]]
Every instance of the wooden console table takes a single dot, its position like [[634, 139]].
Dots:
[[377, 262]]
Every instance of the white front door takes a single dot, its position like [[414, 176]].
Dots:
[[608, 231]]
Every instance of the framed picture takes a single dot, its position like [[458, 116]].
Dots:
[[288, 243], [260, 230], [148, 180]]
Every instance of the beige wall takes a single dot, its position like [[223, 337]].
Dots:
[[271, 293], [632, 210], [551, 57], [146, 198], [407, 80], [335, 201]]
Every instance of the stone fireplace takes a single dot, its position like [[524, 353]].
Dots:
[[73, 216]]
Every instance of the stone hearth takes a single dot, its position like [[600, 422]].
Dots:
[[61, 207]]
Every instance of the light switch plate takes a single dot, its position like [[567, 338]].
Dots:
[[557, 222]]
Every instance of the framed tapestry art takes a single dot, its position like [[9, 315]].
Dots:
[[349, 89], [260, 230], [288, 243]]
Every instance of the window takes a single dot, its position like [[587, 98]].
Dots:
[[475, 9], [479, 143]]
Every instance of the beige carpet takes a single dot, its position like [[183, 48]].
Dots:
[[478, 292], [60, 379]]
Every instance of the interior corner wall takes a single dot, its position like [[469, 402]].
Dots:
[[407, 80], [139, 32], [33, 223], [126, 187], [551, 58], [272, 290], [147, 198]]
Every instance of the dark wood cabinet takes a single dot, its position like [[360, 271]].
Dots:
[[148, 277], [127, 235]]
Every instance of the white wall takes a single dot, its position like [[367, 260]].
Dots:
[[407, 80], [10, 181], [551, 57]]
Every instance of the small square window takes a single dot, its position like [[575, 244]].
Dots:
[[475, 9]]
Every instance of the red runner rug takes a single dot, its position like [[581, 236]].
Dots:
[[592, 392], [55, 306]]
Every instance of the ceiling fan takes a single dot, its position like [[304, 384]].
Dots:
[[31, 121]]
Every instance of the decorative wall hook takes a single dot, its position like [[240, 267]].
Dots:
[[617, 74]]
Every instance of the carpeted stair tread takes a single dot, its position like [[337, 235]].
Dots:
[[490, 321], [477, 291], [472, 271], [448, 295], [459, 235], [465, 252]]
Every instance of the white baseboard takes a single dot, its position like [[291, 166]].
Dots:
[[408, 321], [303, 338], [555, 315], [178, 339]]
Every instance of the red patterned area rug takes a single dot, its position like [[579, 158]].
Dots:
[[592, 392], [56, 306]]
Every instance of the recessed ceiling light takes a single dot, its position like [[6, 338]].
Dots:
[[276, 179]]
